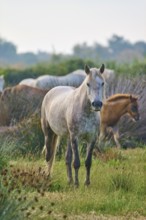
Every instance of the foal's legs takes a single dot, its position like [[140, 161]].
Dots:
[[69, 162], [88, 161], [76, 160], [116, 136], [102, 135]]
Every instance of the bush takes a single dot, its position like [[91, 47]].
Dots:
[[3, 161], [122, 181], [26, 138]]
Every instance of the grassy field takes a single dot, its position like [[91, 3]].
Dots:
[[117, 190]]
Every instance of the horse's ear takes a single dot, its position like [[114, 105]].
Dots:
[[133, 98], [102, 68], [87, 69]]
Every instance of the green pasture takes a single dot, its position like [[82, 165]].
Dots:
[[117, 190]]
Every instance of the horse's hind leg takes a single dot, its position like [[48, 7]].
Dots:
[[69, 162]]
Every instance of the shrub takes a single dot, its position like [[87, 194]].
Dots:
[[122, 181], [3, 161], [23, 139]]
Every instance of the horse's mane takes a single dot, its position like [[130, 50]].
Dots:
[[118, 97]]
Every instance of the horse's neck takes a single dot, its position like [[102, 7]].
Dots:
[[119, 107], [82, 97]]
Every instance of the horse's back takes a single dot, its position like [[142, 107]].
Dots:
[[54, 108], [74, 78], [57, 95], [28, 82], [47, 82]]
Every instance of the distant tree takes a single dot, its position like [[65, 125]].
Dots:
[[7, 50], [101, 51], [140, 46], [118, 49], [84, 51], [117, 44], [28, 58], [43, 56]]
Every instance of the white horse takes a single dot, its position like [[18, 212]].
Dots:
[[74, 79], [48, 81], [72, 112]]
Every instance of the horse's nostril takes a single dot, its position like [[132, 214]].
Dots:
[[100, 104], [93, 104], [97, 104]]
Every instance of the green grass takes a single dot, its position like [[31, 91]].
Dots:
[[117, 190]]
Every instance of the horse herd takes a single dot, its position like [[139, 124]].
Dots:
[[73, 106]]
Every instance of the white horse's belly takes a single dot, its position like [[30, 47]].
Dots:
[[58, 127]]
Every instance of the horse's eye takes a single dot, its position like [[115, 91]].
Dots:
[[102, 84], [134, 108], [88, 84]]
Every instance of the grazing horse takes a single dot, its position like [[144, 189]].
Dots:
[[49, 81], [73, 112], [74, 78], [113, 109]]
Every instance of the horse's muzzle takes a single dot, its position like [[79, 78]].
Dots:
[[97, 105]]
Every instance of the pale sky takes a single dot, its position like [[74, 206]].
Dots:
[[57, 25]]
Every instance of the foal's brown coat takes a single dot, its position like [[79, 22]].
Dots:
[[112, 110]]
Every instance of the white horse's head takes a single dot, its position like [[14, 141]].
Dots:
[[95, 86]]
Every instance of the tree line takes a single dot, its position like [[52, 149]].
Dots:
[[118, 49]]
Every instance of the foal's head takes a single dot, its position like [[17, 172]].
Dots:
[[133, 108], [95, 86]]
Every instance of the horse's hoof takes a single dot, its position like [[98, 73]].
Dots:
[[87, 183], [70, 182], [76, 184]]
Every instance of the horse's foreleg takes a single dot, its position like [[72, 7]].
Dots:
[[88, 161], [69, 162], [76, 161]]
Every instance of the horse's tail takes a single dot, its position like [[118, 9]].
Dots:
[[52, 155], [57, 145], [44, 149]]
